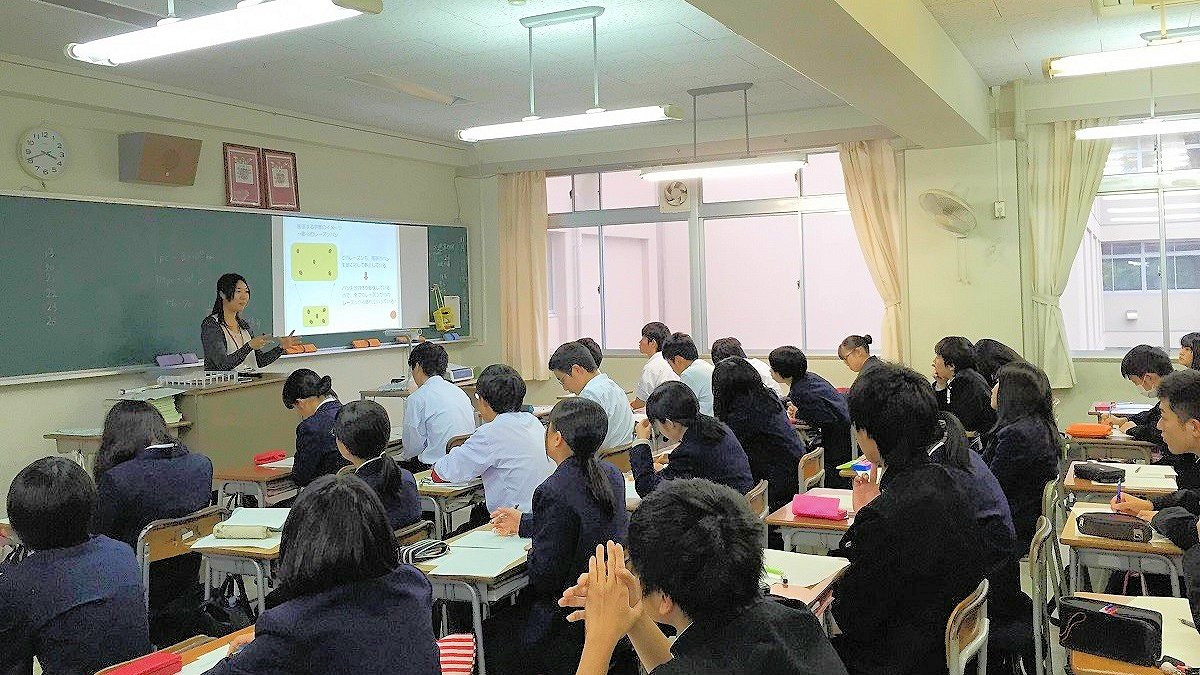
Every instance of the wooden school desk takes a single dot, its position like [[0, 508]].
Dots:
[[269, 486], [1158, 556], [83, 445], [1179, 640], [818, 596], [819, 533], [1083, 489], [445, 499], [227, 419], [257, 562]]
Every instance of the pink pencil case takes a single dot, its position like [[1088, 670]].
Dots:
[[812, 506]]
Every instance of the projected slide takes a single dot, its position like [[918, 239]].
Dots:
[[339, 276]]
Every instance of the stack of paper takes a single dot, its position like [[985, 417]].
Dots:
[[1131, 408], [162, 398], [800, 569], [481, 553], [285, 463], [207, 662]]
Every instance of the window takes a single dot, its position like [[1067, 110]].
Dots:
[[764, 271]]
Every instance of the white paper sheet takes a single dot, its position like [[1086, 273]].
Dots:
[[429, 482], [285, 463], [272, 518], [1179, 641], [205, 663], [801, 569], [489, 539], [475, 562], [80, 431], [212, 542]]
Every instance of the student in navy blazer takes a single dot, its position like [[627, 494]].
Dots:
[[362, 430], [75, 603], [344, 603], [313, 399], [707, 448], [815, 401], [581, 505]]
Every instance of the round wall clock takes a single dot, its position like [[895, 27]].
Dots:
[[42, 153]]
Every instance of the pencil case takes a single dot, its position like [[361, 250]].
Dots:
[[812, 506], [1114, 526], [1126, 634], [158, 663], [225, 531], [1088, 430], [1099, 473], [269, 456]]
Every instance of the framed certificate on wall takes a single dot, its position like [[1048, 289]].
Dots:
[[282, 189], [243, 176]]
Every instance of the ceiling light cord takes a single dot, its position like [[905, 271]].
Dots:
[[595, 68], [532, 107]]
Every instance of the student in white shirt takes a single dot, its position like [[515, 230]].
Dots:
[[681, 354], [507, 450], [436, 412], [573, 365], [725, 347], [656, 371]]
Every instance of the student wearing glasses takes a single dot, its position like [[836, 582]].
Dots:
[[572, 363]]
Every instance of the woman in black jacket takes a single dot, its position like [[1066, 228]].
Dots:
[[960, 388]]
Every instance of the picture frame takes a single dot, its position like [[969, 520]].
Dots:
[[281, 185], [243, 176]]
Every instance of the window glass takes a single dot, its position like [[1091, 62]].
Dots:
[[822, 175], [573, 283], [647, 277], [835, 283], [626, 189], [586, 191], [737, 188], [558, 194]]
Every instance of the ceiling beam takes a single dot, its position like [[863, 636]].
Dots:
[[889, 60]]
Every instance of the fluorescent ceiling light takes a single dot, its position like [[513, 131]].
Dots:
[[243, 23], [1143, 219], [1152, 126], [1118, 60], [589, 120], [824, 203], [754, 166], [1152, 209]]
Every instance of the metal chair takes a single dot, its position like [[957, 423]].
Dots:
[[456, 441], [967, 633], [618, 456], [812, 470], [1039, 577], [418, 531], [760, 506], [1105, 449], [172, 537], [1054, 510]]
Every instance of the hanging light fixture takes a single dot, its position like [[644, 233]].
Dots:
[[1166, 48], [745, 166], [247, 20], [595, 117]]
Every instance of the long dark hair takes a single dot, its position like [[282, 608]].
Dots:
[[226, 287], [897, 408], [583, 425], [676, 402], [1023, 390], [992, 355], [129, 427], [305, 383], [336, 533], [737, 386], [364, 428], [1192, 342]]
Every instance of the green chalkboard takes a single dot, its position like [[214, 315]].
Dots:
[[99, 285]]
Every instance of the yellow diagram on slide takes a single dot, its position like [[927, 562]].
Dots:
[[314, 262]]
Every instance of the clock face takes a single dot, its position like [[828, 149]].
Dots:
[[42, 153]]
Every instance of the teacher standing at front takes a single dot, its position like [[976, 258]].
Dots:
[[228, 338]]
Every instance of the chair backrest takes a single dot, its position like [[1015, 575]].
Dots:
[[757, 499], [1039, 562], [967, 629], [171, 537], [1104, 449], [812, 470], [1054, 509], [618, 456], [456, 441], [410, 534]]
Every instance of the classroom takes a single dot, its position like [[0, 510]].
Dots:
[[843, 257]]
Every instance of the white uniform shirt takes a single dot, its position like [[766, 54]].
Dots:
[[436, 412], [764, 371], [612, 398], [509, 453], [698, 377], [655, 372]]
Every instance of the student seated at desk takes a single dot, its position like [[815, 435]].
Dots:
[[656, 370], [436, 412], [694, 564], [580, 506], [1145, 367], [594, 348], [576, 370], [761, 425], [145, 474], [992, 355], [75, 603], [707, 448], [362, 430], [681, 354], [313, 399], [344, 603], [959, 387], [814, 400], [1189, 345], [855, 352], [508, 450], [915, 550], [724, 348]]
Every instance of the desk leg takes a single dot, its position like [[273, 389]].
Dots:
[[1073, 581], [477, 623], [789, 538], [439, 524]]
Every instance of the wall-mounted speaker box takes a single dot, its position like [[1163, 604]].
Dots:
[[158, 159]]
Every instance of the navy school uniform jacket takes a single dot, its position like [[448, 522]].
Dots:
[[159, 482], [1145, 428], [403, 504], [723, 462], [316, 449], [1023, 455], [820, 404], [772, 447], [378, 626], [77, 609], [969, 397]]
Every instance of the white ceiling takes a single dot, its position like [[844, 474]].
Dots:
[[1008, 40], [651, 52]]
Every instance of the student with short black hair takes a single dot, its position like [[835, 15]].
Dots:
[[992, 355], [575, 369], [75, 603], [959, 387], [315, 402], [855, 352], [581, 505], [145, 474], [594, 348], [915, 550], [656, 370], [681, 354], [723, 348], [707, 448], [814, 400], [1145, 367], [362, 431], [1188, 346], [436, 412], [344, 601], [695, 564], [508, 450]]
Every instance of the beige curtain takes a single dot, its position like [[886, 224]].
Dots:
[[1063, 177], [873, 190], [523, 302]]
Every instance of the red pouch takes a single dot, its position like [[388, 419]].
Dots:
[[269, 456]]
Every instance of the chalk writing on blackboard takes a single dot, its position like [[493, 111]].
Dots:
[[50, 281]]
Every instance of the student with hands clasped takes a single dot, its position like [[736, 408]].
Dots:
[[694, 564]]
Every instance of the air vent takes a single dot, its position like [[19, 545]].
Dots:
[[109, 10], [407, 88]]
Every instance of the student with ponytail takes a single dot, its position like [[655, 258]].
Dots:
[[313, 399], [707, 448], [581, 505], [361, 430], [855, 352]]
